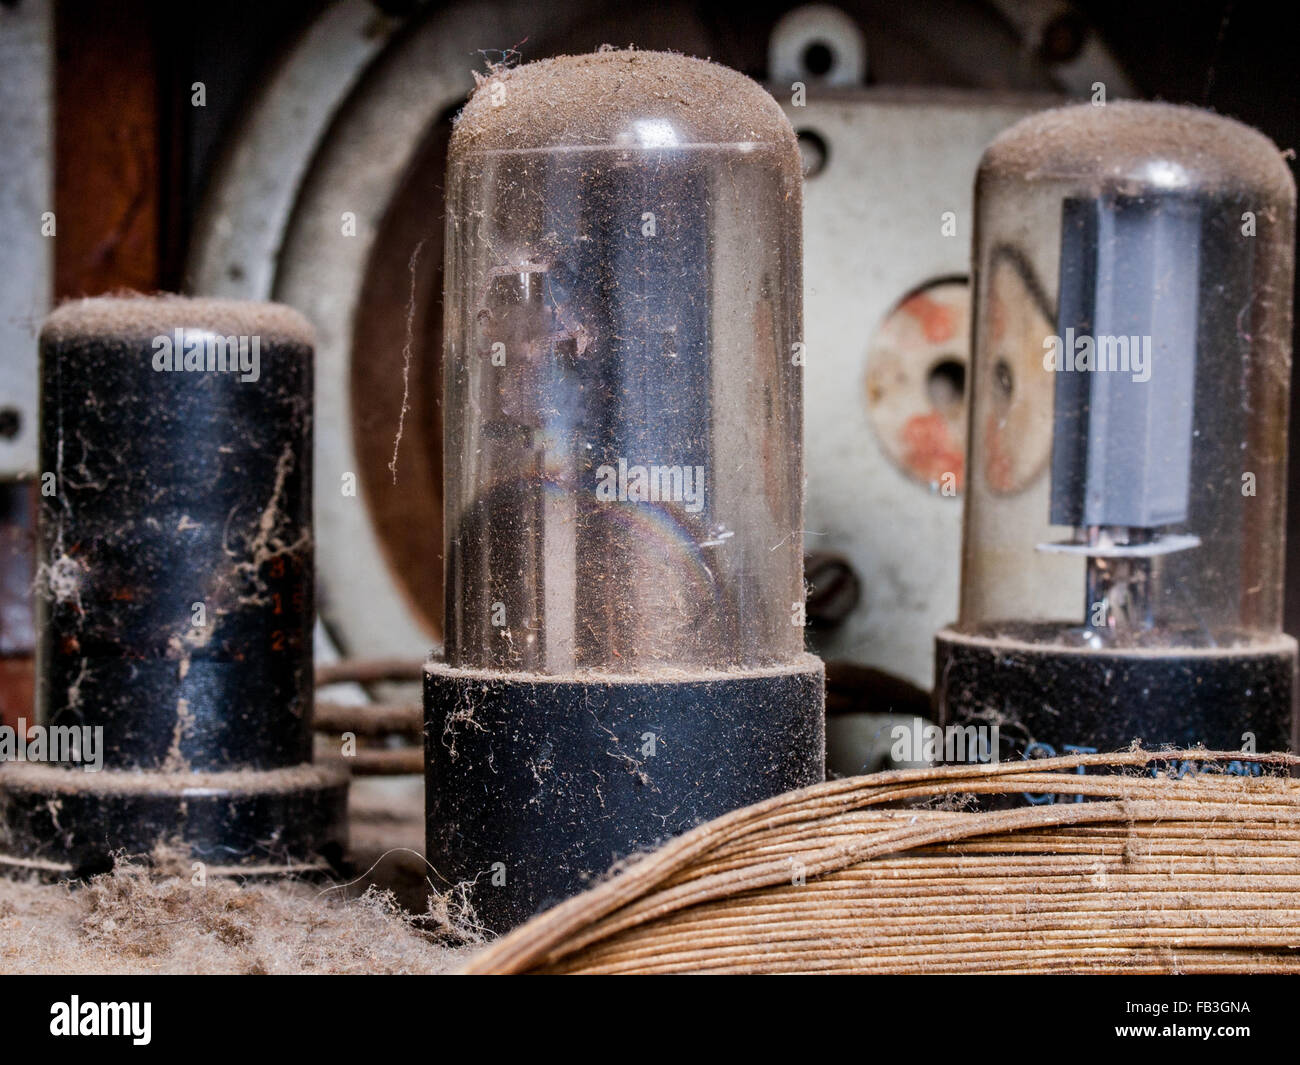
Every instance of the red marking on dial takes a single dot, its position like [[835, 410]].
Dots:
[[938, 321], [929, 450]]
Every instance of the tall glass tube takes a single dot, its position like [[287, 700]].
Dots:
[[1122, 570], [622, 377], [622, 444], [1133, 331]]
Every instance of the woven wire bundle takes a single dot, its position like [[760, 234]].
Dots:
[[890, 873]]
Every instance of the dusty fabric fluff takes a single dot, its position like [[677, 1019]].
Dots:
[[135, 921]]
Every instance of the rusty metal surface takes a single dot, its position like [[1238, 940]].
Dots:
[[916, 376]]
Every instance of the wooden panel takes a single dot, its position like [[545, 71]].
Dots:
[[108, 190]]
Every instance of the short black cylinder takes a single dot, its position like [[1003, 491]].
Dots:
[[1048, 701], [63, 822], [536, 786]]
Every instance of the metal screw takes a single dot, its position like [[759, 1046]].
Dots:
[[833, 589]]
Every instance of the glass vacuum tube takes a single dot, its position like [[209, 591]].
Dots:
[[623, 413], [1123, 550]]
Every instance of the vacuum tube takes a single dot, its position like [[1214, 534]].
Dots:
[[623, 483], [174, 596], [1123, 551]]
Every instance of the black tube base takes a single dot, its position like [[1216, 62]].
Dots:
[[66, 822], [537, 786], [1047, 700]]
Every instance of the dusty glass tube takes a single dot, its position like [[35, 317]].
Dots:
[[623, 418], [1123, 548], [622, 380]]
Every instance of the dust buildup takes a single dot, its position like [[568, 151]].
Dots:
[[133, 316], [133, 921], [591, 99], [55, 780], [406, 360], [1114, 143]]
